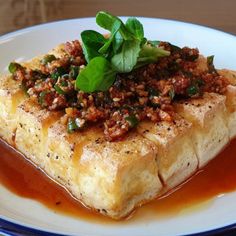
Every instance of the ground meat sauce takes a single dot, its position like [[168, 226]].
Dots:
[[144, 94]]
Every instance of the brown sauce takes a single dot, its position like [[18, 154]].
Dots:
[[21, 177]]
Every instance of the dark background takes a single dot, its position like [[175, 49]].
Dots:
[[15, 14]]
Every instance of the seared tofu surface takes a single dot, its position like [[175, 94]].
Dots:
[[209, 118]]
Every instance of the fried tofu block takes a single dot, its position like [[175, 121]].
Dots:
[[10, 97], [229, 74], [116, 177], [113, 178], [231, 109], [125, 171], [230, 94], [230, 100], [209, 118], [31, 131], [176, 156]]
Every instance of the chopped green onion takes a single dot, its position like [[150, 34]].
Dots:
[[174, 48], [57, 73], [192, 90], [200, 82], [71, 126], [13, 67], [172, 94], [42, 97], [48, 58], [210, 63], [192, 57], [24, 88], [59, 90], [153, 92], [133, 121], [64, 83], [74, 71], [210, 60]]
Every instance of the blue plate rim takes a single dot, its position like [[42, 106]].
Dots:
[[11, 227]]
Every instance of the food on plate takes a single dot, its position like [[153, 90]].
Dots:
[[118, 120]]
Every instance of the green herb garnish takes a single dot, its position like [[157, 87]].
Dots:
[[98, 75], [125, 49], [92, 42], [126, 59]]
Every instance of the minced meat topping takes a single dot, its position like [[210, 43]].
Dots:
[[146, 93]]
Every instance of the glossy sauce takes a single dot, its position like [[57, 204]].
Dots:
[[24, 179]]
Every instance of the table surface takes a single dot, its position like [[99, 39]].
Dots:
[[16, 14]]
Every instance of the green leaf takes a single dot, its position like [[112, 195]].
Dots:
[[135, 27], [149, 54], [98, 75], [144, 41], [92, 42], [126, 60], [117, 42], [116, 26], [106, 21]]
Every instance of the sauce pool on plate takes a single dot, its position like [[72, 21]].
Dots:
[[22, 178]]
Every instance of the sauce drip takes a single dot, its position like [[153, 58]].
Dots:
[[24, 179]]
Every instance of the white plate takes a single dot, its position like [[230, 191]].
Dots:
[[27, 43]]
